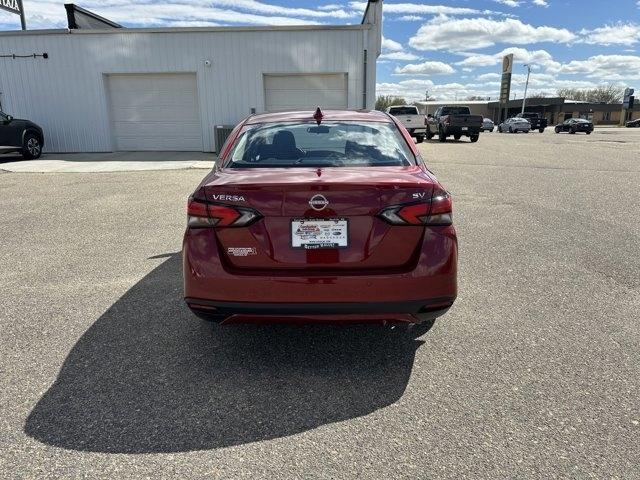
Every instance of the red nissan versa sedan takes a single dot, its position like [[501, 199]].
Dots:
[[320, 217]]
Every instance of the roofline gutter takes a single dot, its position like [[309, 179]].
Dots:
[[278, 28]]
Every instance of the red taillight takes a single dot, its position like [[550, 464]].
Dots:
[[414, 214], [441, 212], [201, 214], [196, 208], [438, 211]]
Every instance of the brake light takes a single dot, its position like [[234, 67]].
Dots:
[[201, 214], [438, 211], [441, 212]]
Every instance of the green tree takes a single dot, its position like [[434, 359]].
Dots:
[[384, 101]]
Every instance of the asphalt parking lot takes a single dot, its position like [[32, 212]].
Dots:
[[535, 371]]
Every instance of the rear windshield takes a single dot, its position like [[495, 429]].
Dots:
[[455, 111], [331, 144], [403, 110]]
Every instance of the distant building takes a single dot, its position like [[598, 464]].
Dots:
[[554, 109]]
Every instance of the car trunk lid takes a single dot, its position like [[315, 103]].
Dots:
[[348, 196]]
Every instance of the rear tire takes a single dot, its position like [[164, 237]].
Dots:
[[588, 133], [511, 130], [499, 129], [474, 138], [457, 137], [31, 147], [541, 130], [572, 131], [419, 138], [557, 129]]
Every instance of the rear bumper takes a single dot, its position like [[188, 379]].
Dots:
[[458, 130], [369, 312], [417, 131], [402, 295]]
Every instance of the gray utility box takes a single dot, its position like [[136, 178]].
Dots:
[[222, 132]]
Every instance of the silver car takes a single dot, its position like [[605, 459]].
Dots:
[[515, 125], [487, 125]]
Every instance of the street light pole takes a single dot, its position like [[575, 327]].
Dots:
[[526, 85], [426, 99]]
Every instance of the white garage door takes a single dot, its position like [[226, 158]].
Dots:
[[155, 112], [305, 92]]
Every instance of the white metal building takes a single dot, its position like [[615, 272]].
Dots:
[[167, 88]]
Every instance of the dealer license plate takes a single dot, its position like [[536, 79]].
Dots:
[[315, 234]]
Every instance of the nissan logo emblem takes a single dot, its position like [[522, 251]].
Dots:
[[318, 202]]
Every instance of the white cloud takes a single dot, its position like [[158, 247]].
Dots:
[[520, 55], [391, 45], [409, 18], [447, 33], [618, 34], [402, 56], [488, 77], [508, 3], [330, 6], [51, 13], [605, 67], [269, 9], [425, 68], [418, 8], [541, 3], [414, 89]]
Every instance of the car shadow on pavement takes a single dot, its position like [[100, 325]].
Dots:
[[149, 377], [10, 157]]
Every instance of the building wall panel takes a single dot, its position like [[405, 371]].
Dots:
[[67, 94]]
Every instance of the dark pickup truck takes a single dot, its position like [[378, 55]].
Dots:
[[454, 121], [537, 121]]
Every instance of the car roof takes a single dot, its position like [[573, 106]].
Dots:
[[328, 116]]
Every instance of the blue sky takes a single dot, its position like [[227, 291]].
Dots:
[[450, 48]]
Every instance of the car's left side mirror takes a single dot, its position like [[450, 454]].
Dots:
[[9, 118]]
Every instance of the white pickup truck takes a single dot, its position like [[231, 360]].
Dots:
[[412, 120]]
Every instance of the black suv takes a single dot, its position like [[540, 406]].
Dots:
[[20, 136]]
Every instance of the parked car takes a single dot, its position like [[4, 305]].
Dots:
[[574, 125], [633, 123], [487, 125], [410, 117], [455, 121], [537, 121], [324, 217], [20, 136], [515, 125]]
